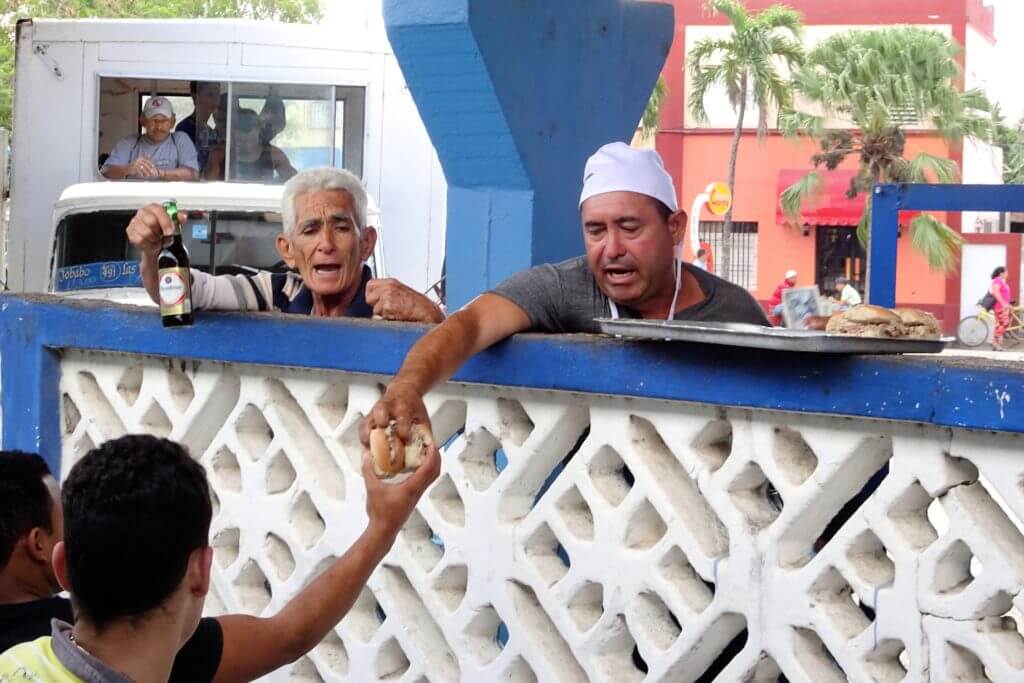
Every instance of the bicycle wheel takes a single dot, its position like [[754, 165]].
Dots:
[[972, 331]]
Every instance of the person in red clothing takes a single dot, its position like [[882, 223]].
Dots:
[[775, 303]]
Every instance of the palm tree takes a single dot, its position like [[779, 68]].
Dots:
[[1011, 140], [883, 81], [748, 64], [651, 120]]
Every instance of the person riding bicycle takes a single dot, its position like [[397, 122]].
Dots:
[[1000, 291]]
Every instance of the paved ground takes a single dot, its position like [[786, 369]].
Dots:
[[1015, 355]]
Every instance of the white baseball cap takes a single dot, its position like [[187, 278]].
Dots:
[[617, 167], [790, 274], [158, 106]]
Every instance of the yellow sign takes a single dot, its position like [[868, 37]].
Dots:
[[719, 198]]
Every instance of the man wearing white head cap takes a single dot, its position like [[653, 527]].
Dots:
[[156, 154], [631, 226]]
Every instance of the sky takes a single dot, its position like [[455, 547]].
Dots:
[[1006, 86]]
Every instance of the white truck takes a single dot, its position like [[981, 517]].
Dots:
[[80, 86]]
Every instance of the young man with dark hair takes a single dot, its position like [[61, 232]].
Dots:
[[136, 561], [30, 526]]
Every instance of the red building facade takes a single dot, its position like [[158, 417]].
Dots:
[[823, 246]]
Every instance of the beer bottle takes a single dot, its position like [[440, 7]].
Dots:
[[175, 278]]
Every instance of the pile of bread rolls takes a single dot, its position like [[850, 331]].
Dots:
[[866, 320]]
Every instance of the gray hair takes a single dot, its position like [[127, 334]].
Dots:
[[316, 180]]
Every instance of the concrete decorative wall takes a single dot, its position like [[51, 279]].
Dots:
[[515, 97], [593, 521], [575, 538]]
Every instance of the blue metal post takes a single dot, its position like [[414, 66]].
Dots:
[[515, 97], [885, 205]]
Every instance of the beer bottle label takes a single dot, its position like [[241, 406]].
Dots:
[[175, 291]]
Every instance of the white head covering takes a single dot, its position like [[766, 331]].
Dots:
[[790, 274], [617, 167]]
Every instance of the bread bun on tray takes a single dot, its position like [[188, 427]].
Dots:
[[919, 324], [392, 457], [866, 320]]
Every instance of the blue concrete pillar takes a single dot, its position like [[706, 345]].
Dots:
[[515, 96]]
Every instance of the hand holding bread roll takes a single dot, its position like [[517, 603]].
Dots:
[[392, 457]]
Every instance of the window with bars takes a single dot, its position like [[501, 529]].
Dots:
[[743, 249]]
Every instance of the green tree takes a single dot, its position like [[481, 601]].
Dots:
[[883, 81], [304, 11], [749, 65], [1011, 140], [652, 114]]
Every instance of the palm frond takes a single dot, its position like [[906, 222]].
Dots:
[[652, 114], [937, 242], [734, 10], [793, 123], [864, 225], [926, 168], [807, 189]]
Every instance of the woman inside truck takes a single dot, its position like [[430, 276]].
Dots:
[[251, 159]]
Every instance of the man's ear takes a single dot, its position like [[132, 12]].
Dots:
[[677, 226], [367, 241], [35, 543], [198, 574], [284, 248], [60, 565]]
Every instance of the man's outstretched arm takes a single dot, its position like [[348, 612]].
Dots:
[[437, 356], [253, 646]]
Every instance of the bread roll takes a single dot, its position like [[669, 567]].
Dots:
[[392, 457], [919, 324], [866, 320]]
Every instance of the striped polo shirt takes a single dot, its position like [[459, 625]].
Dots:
[[266, 291]]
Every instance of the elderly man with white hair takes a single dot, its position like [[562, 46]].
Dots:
[[631, 228], [325, 241]]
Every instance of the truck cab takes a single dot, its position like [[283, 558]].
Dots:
[[322, 97], [228, 228]]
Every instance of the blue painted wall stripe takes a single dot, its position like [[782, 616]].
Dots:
[[947, 392], [29, 385]]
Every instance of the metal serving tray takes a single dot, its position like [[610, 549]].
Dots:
[[757, 337]]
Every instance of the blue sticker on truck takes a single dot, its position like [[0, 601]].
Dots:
[[98, 276]]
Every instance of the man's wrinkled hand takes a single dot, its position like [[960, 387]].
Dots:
[[389, 505], [392, 300], [148, 227]]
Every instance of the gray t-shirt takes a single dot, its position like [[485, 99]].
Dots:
[[175, 151], [564, 297]]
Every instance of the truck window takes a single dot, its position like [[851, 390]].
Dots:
[[267, 133], [92, 244], [92, 252]]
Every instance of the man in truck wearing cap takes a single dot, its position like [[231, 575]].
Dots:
[[631, 227], [156, 154]]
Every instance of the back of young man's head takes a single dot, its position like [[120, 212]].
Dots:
[[136, 510], [27, 507]]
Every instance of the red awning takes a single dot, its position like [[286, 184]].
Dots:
[[832, 207]]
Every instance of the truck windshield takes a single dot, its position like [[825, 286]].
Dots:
[[92, 249]]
